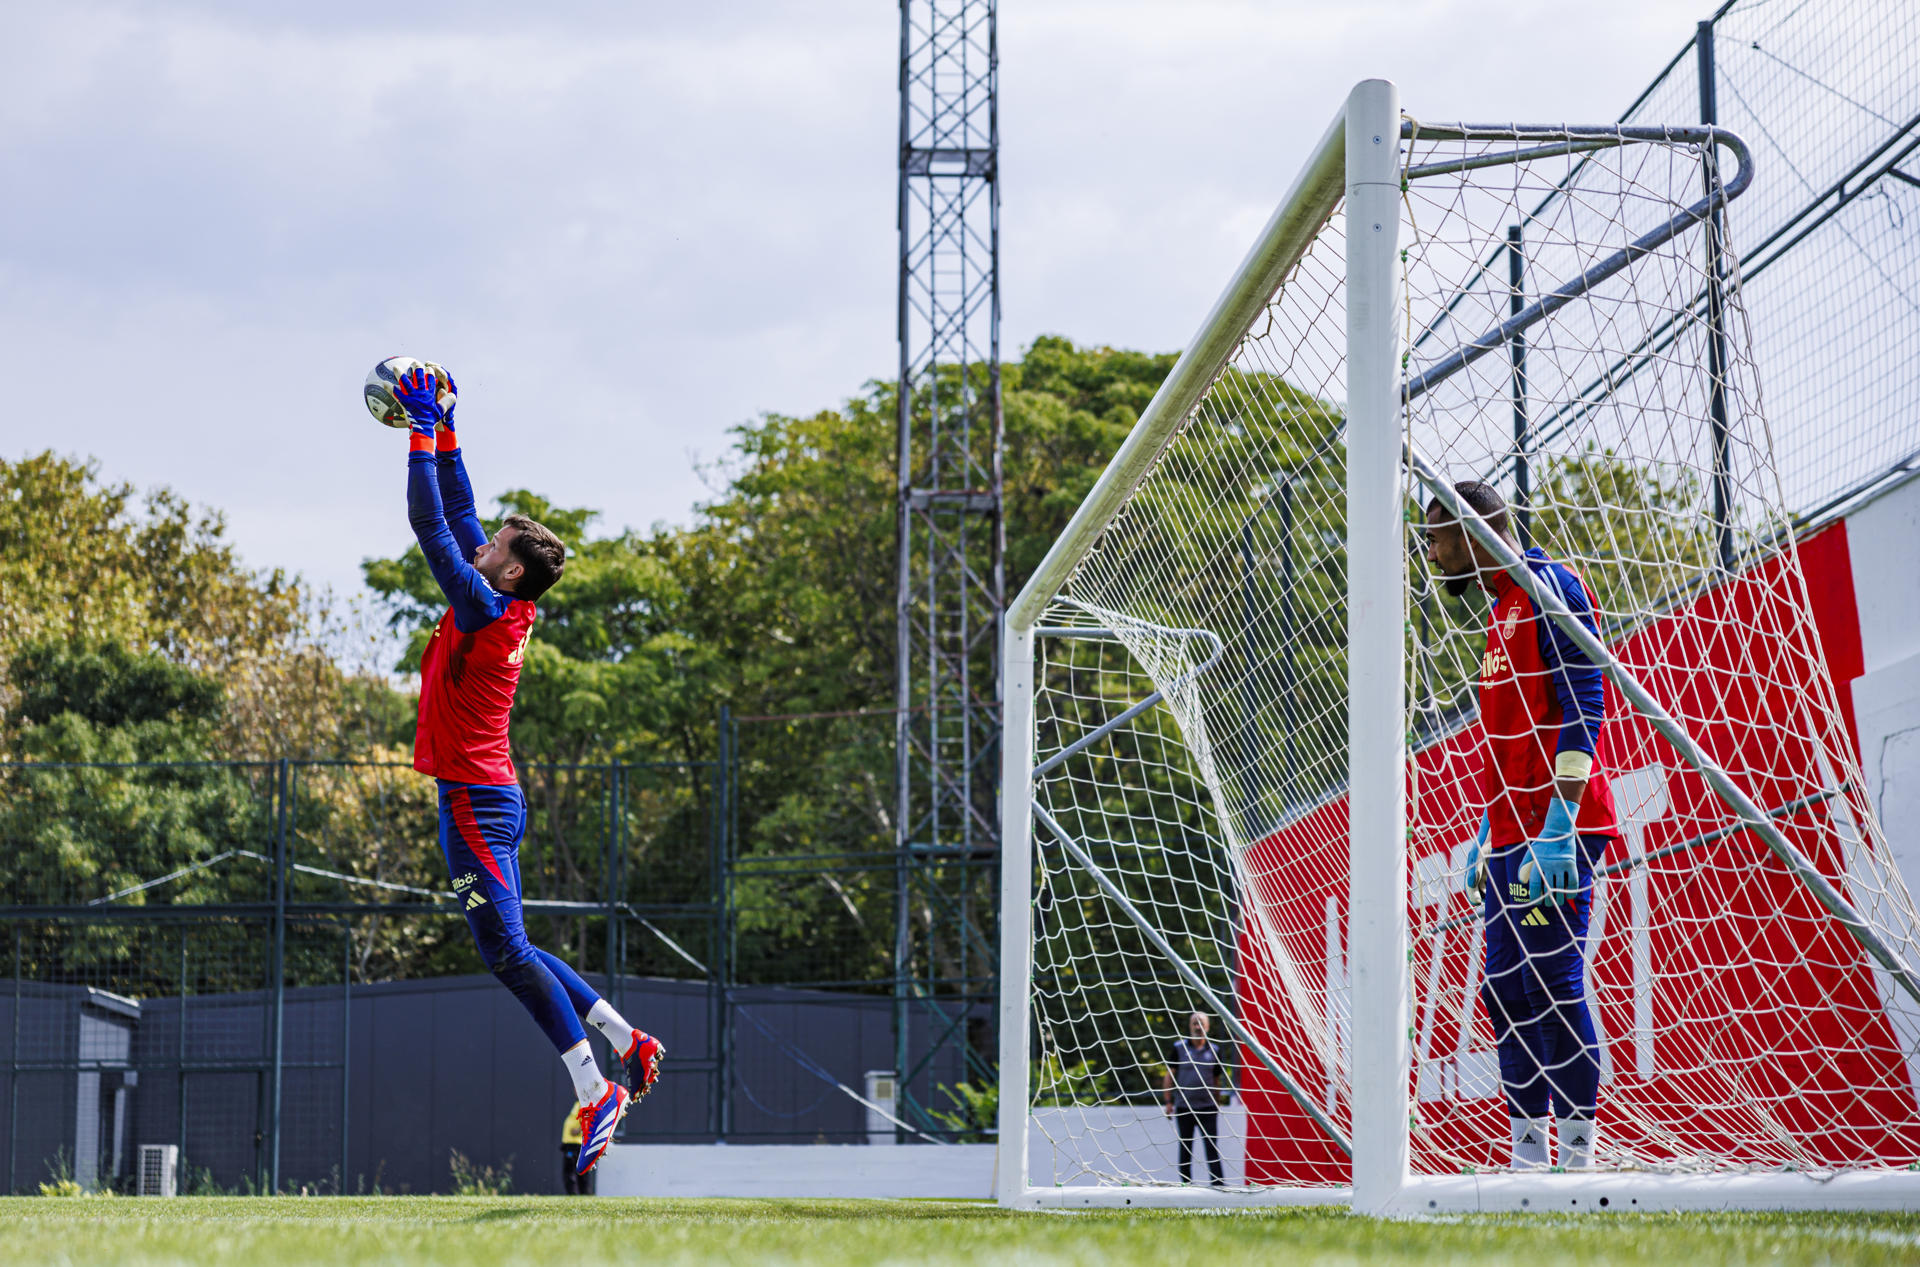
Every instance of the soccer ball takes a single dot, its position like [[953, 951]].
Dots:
[[381, 379]]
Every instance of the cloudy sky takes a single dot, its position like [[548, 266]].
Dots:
[[629, 226]]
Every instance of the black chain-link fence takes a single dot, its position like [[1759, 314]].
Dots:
[[260, 966], [821, 904]]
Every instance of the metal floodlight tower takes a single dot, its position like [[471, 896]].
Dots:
[[951, 542]]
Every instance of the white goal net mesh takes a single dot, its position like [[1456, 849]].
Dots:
[[1191, 854]]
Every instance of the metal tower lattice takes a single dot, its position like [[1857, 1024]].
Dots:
[[951, 542]]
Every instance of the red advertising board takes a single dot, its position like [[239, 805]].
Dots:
[[1741, 1024]]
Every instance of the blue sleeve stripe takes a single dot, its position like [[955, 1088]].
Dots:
[[456, 497], [474, 602], [1577, 681]]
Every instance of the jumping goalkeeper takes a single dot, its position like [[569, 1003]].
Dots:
[[468, 674], [1549, 817]]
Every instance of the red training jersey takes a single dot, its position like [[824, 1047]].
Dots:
[[467, 682], [1520, 716]]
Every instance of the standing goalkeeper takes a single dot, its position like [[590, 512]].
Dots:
[[468, 675], [1549, 817]]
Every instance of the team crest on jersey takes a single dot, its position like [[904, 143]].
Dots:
[[1506, 626]]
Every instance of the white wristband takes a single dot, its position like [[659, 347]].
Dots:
[[1573, 765]]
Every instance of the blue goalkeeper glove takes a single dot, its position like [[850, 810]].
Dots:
[[1549, 870], [449, 393], [1476, 877], [418, 392]]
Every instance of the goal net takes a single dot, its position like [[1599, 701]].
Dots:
[[1246, 757]]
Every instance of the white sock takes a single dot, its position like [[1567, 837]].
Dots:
[[609, 1022], [1530, 1136], [588, 1085], [1576, 1142]]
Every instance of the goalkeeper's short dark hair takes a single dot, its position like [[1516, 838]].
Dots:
[[540, 555], [1485, 500]]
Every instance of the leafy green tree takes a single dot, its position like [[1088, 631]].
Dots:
[[121, 807], [137, 655], [104, 685], [790, 578], [91, 562]]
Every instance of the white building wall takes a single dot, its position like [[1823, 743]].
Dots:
[[1883, 540]]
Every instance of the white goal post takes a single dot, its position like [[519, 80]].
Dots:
[[1241, 756]]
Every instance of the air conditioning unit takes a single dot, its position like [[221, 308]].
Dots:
[[159, 1170], [881, 1090]]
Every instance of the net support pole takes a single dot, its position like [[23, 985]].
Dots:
[[1517, 357], [1716, 313], [1376, 753], [1016, 907]]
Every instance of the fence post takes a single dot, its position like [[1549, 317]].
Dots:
[[615, 792], [180, 1059], [719, 1001], [346, 1048], [13, 1066], [277, 997]]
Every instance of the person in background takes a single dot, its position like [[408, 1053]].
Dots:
[[575, 1183], [1195, 1085]]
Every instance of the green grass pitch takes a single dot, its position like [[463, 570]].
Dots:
[[579, 1232]]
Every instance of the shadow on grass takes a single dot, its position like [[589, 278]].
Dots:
[[502, 1214]]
